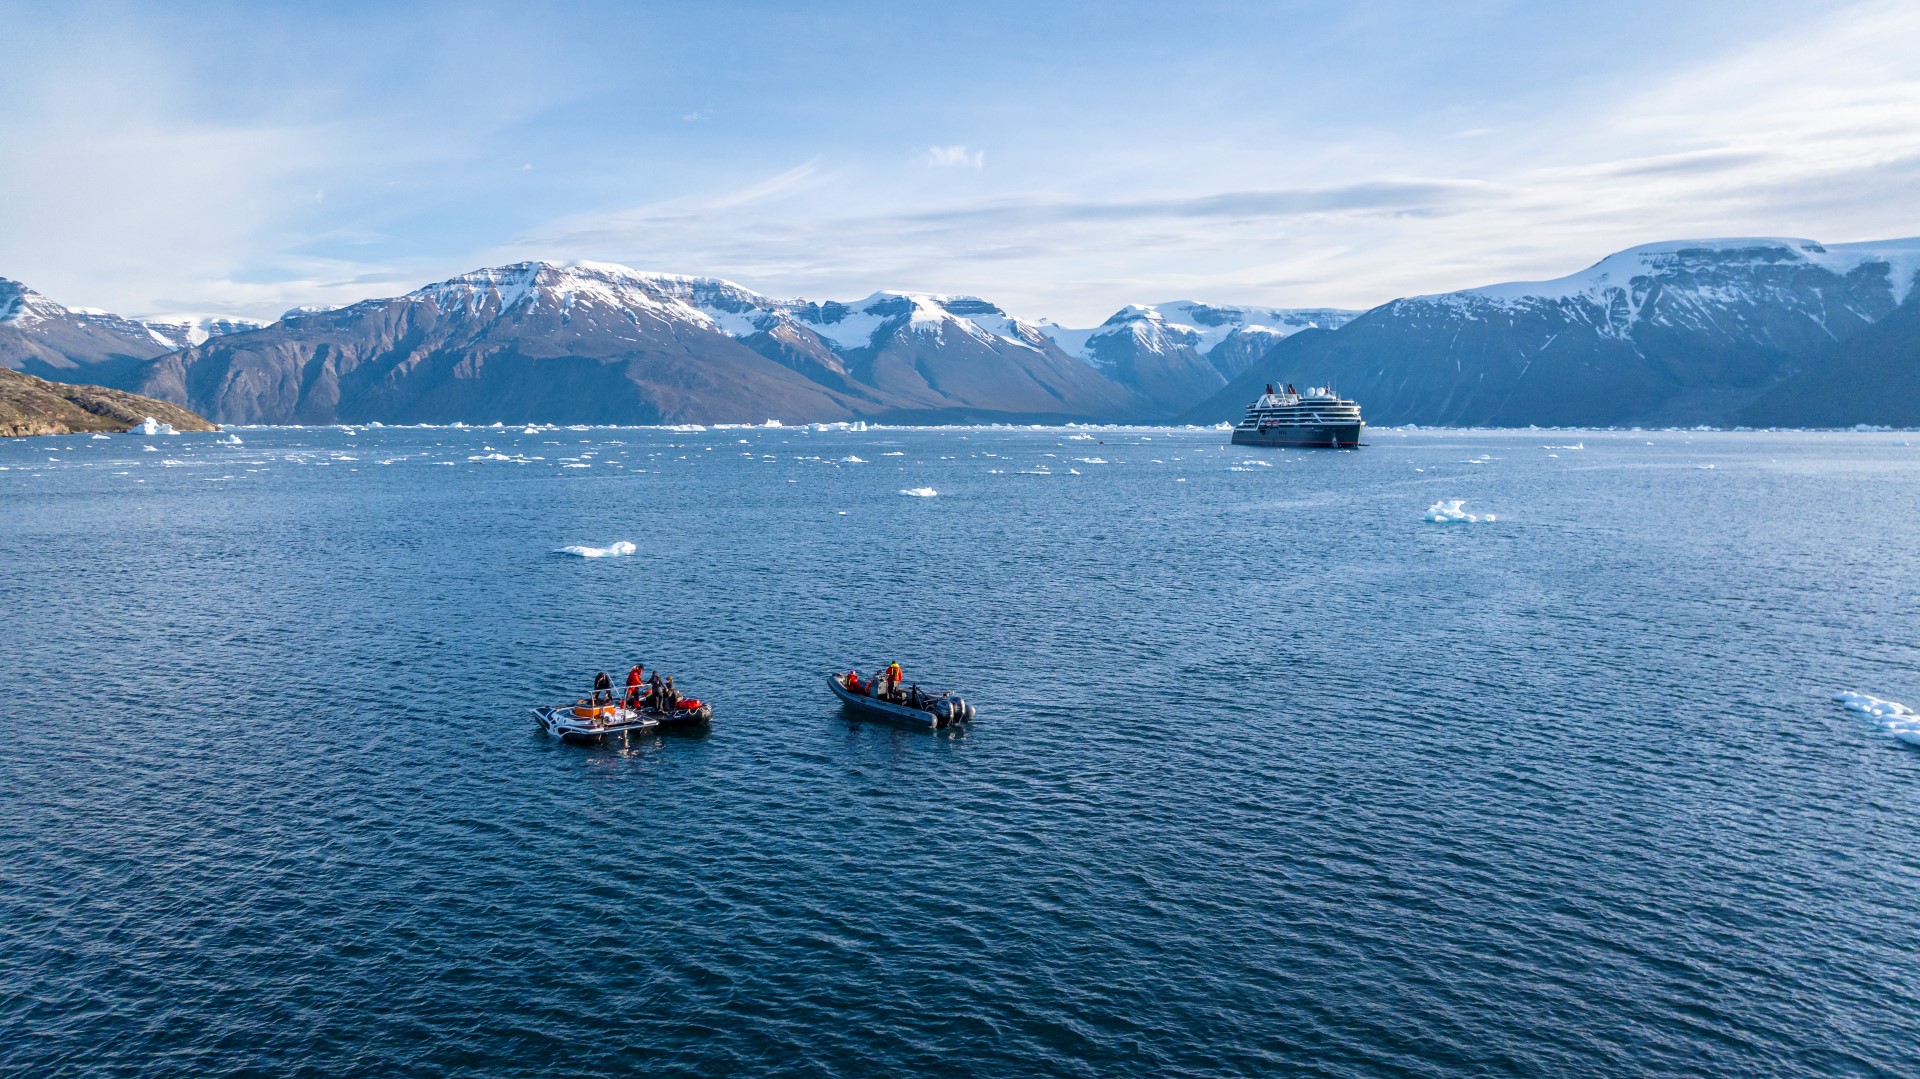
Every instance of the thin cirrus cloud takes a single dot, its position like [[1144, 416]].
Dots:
[[954, 157], [142, 179]]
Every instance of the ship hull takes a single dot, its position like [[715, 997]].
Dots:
[[1324, 435]]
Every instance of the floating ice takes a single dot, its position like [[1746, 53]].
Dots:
[[610, 550], [894, 453], [852, 460], [151, 426], [920, 492], [1091, 460], [1449, 511], [104, 436], [230, 440], [151, 449], [1892, 716]]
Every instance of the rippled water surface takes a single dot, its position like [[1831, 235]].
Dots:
[[1270, 776]]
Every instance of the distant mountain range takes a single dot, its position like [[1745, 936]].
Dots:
[[1757, 331], [1741, 331]]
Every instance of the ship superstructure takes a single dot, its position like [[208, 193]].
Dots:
[[1284, 416]]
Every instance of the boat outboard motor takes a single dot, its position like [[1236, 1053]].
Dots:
[[943, 710]]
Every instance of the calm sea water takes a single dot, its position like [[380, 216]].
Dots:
[[1271, 776]]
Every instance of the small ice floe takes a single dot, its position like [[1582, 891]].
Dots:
[[151, 426], [1091, 460], [1892, 716], [576, 466], [104, 436], [852, 460], [1077, 438], [1254, 462], [151, 449], [491, 457], [1703, 466], [609, 551], [842, 513], [919, 492], [1451, 511], [230, 440], [894, 453]]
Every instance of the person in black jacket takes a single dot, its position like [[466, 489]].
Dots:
[[602, 689]]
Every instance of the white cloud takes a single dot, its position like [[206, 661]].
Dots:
[[954, 157]]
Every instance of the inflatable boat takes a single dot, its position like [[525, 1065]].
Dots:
[[946, 710], [584, 721]]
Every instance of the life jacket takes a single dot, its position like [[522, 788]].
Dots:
[[633, 678]]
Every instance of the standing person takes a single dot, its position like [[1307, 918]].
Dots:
[[635, 679], [656, 692], [602, 689], [671, 696]]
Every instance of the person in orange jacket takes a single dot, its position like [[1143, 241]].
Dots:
[[636, 678]]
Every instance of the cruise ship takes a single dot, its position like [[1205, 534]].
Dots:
[[1287, 417]]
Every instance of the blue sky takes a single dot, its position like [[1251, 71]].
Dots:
[[1062, 160]]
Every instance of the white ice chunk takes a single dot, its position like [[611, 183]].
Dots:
[[1449, 511], [610, 550], [1892, 716], [920, 492]]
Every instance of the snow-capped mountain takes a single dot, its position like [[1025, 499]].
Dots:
[[185, 331], [46, 339], [1689, 331], [1181, 352], [596, 342]]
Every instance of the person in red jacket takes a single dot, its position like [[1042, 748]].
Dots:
[[636, 678], [853, 683]]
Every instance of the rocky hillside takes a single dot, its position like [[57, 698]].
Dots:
[[35, 406], [1675, 333]]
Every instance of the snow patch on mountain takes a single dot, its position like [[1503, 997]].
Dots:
[[186, 331], [1735, 255], [1187, 324]]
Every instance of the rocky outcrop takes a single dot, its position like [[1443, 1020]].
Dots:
[[35, 406]]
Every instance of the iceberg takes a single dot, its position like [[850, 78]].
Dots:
[[920, 492], [151, 426], [610, 550], [1450, 511], [1892, 716]]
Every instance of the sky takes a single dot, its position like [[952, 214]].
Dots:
[[1061, 160]]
